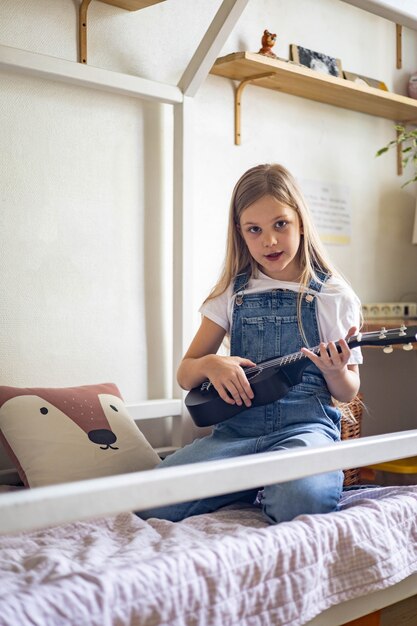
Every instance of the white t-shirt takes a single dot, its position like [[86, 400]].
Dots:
[[338, 307]]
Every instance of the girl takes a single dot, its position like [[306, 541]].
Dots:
[[278, 293]]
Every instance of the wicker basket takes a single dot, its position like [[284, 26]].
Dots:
[[351, 429]]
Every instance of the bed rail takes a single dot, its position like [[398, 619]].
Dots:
[[155, 409], [46, 506]]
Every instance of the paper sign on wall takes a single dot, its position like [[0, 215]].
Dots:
[[331, 211]]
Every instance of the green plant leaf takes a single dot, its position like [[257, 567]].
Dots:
[[381, 151]]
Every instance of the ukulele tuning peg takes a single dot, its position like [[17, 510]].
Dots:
[[388, 349], [402, 330], [382, 334], [408, 346]]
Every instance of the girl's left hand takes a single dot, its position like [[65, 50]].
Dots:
[[331, 360]]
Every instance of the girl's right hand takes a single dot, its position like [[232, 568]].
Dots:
[[228, 378]]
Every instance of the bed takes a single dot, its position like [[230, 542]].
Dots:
[[228, 567]]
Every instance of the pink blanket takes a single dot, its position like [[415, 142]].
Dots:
[[222, 569]]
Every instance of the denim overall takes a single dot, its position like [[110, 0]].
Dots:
[[264, 326]]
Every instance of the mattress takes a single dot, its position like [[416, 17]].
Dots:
[[221, 569]]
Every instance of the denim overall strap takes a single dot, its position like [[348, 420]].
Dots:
[[315, 285], [240, 282]]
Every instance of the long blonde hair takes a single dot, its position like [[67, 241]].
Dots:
[[273, 180]]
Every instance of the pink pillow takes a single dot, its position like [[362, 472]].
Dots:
[[72, 433]]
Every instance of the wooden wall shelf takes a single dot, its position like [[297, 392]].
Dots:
[[132, 5], [297, 80]]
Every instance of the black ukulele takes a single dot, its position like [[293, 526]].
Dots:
[[272, 379]]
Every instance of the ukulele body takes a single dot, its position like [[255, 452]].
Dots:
[[207, 408]]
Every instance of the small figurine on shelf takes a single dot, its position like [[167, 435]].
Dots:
[[268, 42]]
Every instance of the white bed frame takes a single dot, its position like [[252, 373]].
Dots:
[[44, 506]]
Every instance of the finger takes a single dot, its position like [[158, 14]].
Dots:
[[246, 362], [324, 351], [313, 357], [224, 393], [221, 388], [345, 353], [242, 386], [344, 346], [241, 381], [352, 331], [232, 390], [245, 391], [245, 384], [333, 352]]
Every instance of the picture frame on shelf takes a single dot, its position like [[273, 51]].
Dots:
[[317, 61], [365, 80]]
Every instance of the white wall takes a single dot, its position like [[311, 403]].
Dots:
[[85, 183]]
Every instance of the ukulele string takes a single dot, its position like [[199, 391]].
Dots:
[[296, 356]]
